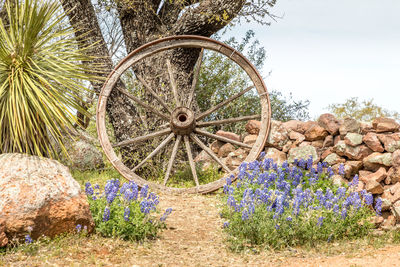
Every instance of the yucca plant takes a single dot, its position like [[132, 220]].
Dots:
[[42, 73]]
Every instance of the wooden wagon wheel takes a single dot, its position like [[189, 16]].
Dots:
[[182, 122]]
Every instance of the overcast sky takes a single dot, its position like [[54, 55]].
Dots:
[[330, 50]]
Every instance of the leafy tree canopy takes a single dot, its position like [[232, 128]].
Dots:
[[365, 110]]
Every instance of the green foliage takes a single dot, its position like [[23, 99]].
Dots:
[[286, 108], [41, 73], [290, 206], [364, 110]]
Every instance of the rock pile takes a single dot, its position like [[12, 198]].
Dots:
[[370, 150]]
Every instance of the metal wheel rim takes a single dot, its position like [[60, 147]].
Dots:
[[186, 41]]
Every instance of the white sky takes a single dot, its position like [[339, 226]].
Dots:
[[327, 51]]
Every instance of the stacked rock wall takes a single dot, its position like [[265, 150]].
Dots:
[[370, 150]]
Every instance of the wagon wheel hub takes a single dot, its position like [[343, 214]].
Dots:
[[183, 121]]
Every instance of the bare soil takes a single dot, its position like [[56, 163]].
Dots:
[[195, 238]]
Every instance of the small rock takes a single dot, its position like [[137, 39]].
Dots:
[[395, 191], [338, 180], [389, 223], [394, 175], [297, 136], [374, 161], [396, 158], [250, 139], [318, 143], [372, 141], [382, 125], [328, 141], [326, 153], [315, 132], [333, 159], [355, 153], [349, 125], [294, 125], [336, 139], [277, 156], [353, 139], [253, 127], [366, 127], [390, 141], [329, 123], [288, 146], [373, 187], [278, 136], [303, 152], [307, 126], [377, 176], [229, 135], [203, 157], [216, 145], [225, 150]]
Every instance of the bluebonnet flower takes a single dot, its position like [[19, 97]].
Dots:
[[320, 168], [289, 219], [96, 186], [309, 162], [111, 197], [106, 214], [78, 228], [344, 213], [94, 197], [378, 206], [144, 191], [341, 169], [127, 212], [320, 221], [261, 156], [355, 181], [88, 189], [28, 239], [245, 215], [226, 225], [277, 226], [369, 199]]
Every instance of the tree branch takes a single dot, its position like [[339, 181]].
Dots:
[[208, 17]]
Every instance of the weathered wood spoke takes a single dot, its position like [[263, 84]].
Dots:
[[146, 106], [152, 154], [223, 103], [151, 91], [173, 83], [225, 121], [191, 161], [221, 138], [142, 138], [195, 77], [172, 159], [208, 151]]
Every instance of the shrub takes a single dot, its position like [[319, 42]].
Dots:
[[125, 211], [292, 205]]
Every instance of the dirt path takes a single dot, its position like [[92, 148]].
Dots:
[[195, 238]]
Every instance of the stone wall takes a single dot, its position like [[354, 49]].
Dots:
[[369, 150]]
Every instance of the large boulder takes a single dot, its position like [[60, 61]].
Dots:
[[390, 141], [39, 195], [277, 156], [228, 135], [316, 132], [353, 139]]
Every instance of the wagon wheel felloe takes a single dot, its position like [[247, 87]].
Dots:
[[184, 126]]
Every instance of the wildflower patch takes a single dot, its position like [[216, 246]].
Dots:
[[293, 205]]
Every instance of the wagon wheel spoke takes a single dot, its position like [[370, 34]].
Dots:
[[208, 151], [151, 91], [152, 154], [223, 103], [191, 161], [225, 121], [172, 159], [173, 84], [146, 106], [195, 77], [220, 138], [142, 138]]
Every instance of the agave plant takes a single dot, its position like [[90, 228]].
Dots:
[[41, 76]]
